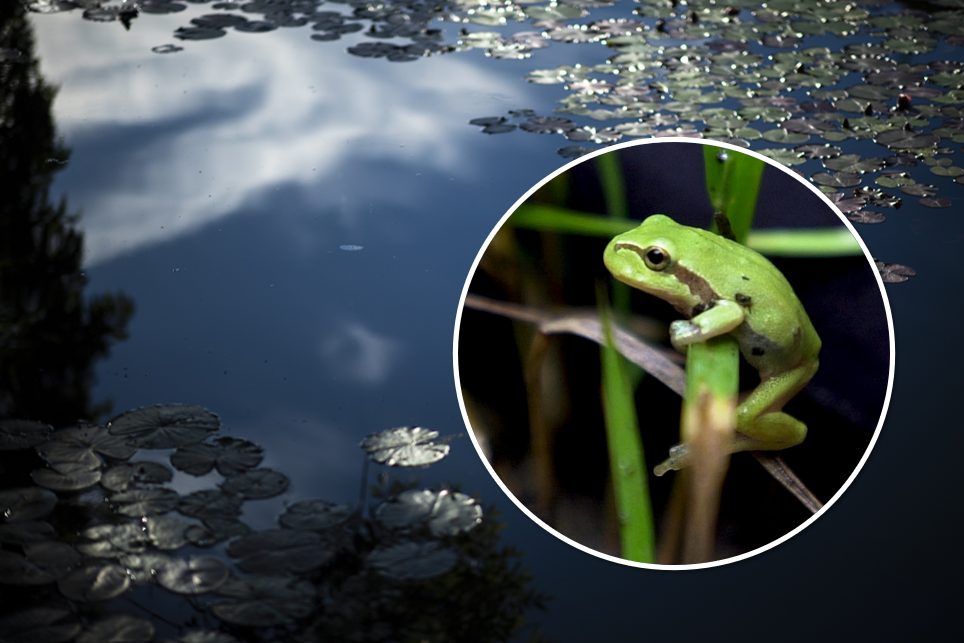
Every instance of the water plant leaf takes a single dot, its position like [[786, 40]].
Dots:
[[135, 474], [26, 532], [39, 625], [264, 601], [25, 503], [406, 446], [118, 628], [82, 446], [894, 273], [210, 503], [194, 575], [230, 455], [22, 434], [165, 426], [76, 480], [412, 560], [282, 551], [315, 515], [94, 582], [444, 513], [15, 569], [145, 502], [204, 636], [54, 557], [114, 540], [256, 483]]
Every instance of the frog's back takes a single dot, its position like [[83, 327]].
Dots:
[[777, 329]]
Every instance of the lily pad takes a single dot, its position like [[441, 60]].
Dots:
[[145, 502], [165, 426], [444, 513], [256, 483], [95, 582], [412, 560], [315, 515], [195, 575], [282, 551], [76, 480], [265, 601], [135, 474], [118, 628], [15, 569], [230, 455], [406, 446], [26, 532], [82, 446], [54, 557], [210, 503], [39, 625], [894, 273], [25, 503], [22, 434]]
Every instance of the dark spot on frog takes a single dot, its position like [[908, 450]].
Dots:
[[756, 351], [701, 308], [743, 300], [744, 278]]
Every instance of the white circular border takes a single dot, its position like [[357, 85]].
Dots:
[[616, 559]]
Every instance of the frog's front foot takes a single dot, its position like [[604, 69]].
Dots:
[[678, 456]]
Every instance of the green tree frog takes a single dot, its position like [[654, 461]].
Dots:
[[723, 287]]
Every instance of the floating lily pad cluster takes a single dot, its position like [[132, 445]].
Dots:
[[753, 75], [89, 514]]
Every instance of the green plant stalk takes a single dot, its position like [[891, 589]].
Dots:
[[627, 463], [707, 429], [804, 242], [610, 173], [733, 185]]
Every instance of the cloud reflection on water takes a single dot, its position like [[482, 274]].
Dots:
[[259, 110]]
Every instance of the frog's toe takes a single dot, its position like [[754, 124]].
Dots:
[[678, 456]]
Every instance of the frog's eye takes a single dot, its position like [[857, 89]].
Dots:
[[656, 258]]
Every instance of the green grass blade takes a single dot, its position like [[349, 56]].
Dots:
[[614, 188], [733, 183], [626, 460]]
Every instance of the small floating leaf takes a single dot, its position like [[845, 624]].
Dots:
[[932, 202], [445, 513], [145, 502], [210, 503], [22, 533], [314, 515], [230, 455], [76, 480], [194, 575], [96, 582], [895, 273], [54, 557], [39, 625], [265, 601], [412, 560], [135, 474], [25, 503], [118, 628], [256, 483], [22, 434], [15, 569], [282, 551], [165, 426], [406, 446]]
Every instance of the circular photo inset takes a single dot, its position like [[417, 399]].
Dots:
[[674, 353]]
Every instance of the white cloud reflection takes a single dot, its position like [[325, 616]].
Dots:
[[244, 114], [358, 354]]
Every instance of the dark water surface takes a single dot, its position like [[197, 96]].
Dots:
[[294, 225]]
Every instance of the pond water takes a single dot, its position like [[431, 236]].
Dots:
[[293, 224]]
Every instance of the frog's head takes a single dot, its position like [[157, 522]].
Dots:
[[647, 258]]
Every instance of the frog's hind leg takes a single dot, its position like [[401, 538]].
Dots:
[[760, 424]]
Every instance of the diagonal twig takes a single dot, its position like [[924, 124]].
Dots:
[[653, 360]]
